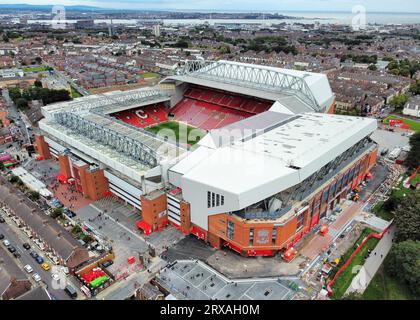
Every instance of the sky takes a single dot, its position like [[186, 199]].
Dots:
[[239, 5]]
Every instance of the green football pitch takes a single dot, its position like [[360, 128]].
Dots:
[[177, 131]]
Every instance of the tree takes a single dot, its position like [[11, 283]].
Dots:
[[38, 83], [407, 218], [34, 196], [57, 212], [413, 157], [415, 88], [399, 101], [21, 103], [402, 263]]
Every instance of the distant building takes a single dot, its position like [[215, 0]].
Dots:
[[412, 108], [84, 24], [11, 73], [156, 30]]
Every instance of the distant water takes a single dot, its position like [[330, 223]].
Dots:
[[342, 18]]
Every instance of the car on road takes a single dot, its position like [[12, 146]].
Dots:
[[11, 249], [39, 259], [27, 246], [28, 268], [6, 242], [36, 277], [45, 266], [55, 276], [2, 220], [33, 254], [1, 236], [16, 255]]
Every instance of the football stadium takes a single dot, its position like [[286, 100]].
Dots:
[[242, 156]]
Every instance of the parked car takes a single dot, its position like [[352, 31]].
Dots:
[[106, 264], [11, 249], [27, 246], [6, 242], [36, 277], [2, 220], [1, 236], [45, 266], [71, 291], [39, 259], [16, 255], [33, 254], [28, 268]]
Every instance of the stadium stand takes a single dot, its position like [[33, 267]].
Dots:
[[144, 116], [211, 109]]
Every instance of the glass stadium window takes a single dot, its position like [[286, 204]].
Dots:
[[208, 199], [274, 236], [222, 200], [217, 200], [230, 229], [212, 199], [325, 196], [332, 190], [338, 188], [346, 178], [251, 237], [300, 219]]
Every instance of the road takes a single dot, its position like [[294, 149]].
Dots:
[[16, 238], [16, 116]]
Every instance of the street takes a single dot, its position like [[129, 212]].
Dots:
[[17, 239]]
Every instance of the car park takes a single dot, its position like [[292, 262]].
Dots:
[[28, 268]]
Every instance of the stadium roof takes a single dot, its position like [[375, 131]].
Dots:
[[312, 89], [273, 159], [84, 124]]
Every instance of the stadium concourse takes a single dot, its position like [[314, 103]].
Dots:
[[270, 170]]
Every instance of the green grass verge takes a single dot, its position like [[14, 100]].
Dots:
[[414, 125], [179, 132], [415, 180], [35, 69], [385, 287], [380, 212], [75, 93], [149, 75], [345, 278]]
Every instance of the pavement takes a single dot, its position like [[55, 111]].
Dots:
[[373, 262], [389, 140], [318, 244], [125, 243]]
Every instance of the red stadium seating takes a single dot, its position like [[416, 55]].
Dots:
[[209, 108], [153, 114]]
